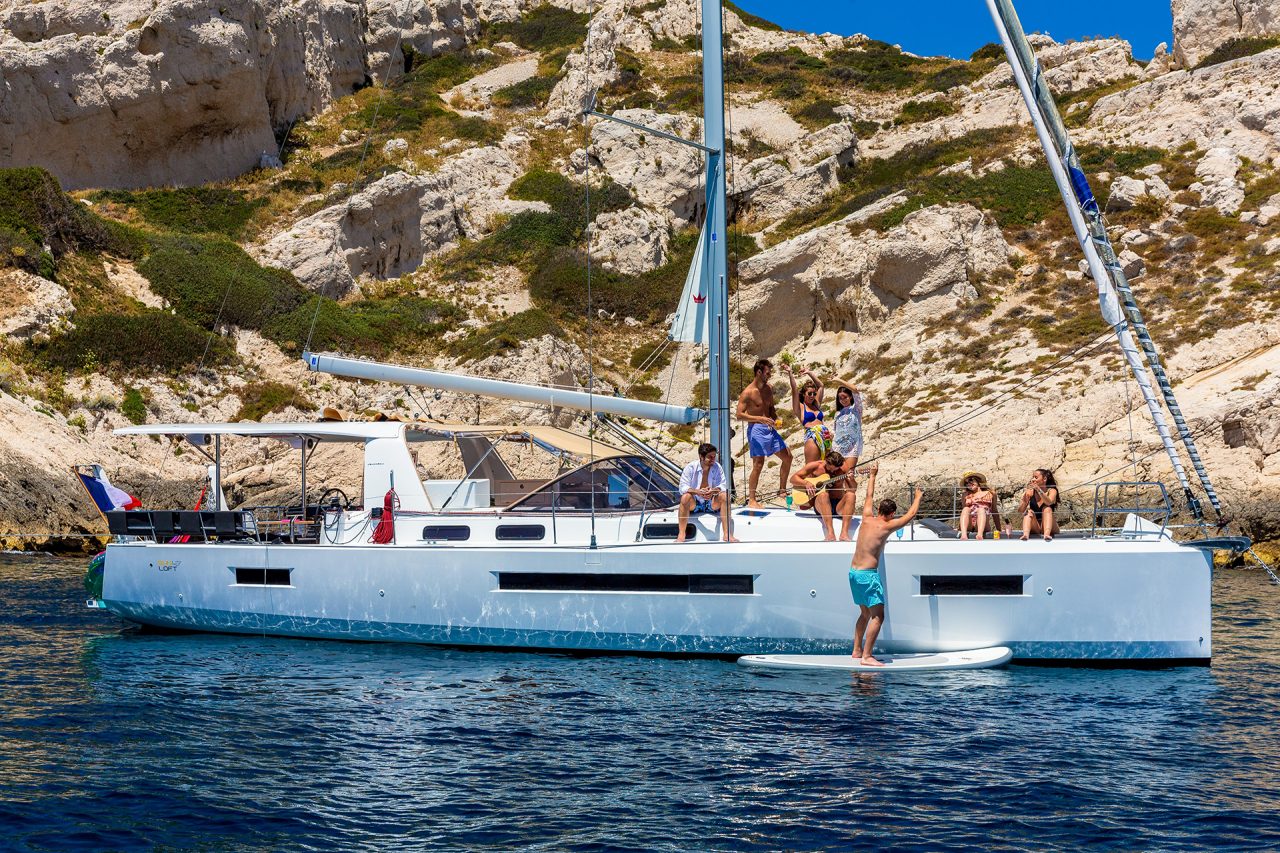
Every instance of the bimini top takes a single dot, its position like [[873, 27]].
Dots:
[[549, 438]]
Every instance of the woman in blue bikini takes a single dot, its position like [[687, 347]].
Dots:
[[806, 404]]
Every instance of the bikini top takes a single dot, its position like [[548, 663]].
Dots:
[[809, 415], [974, 501]]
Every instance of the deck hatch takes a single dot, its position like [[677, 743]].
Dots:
[[971, 584], [584, 582], [446, 532], [257, 576], [520, 532]]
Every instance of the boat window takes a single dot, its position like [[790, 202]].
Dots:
[[668, 531], [447, 532], [621, 484], [971, 584], [520, 532], [582, 582], [257, 576]]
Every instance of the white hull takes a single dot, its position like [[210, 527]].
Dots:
[[1137, 599]]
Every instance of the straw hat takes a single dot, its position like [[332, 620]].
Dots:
[[982, 479]]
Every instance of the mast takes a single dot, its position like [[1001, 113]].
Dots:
[[715, 265], [1092, 236]]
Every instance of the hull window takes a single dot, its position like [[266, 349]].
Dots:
[[668, 531], [262, 577], [447, 532], [520, 532], [971, 584], [580, 582]]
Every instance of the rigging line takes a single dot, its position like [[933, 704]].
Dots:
[[984, 408], [364, 153], [586, 185], [216, 320]]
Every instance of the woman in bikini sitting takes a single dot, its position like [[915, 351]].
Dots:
[[806, 404], [1038, 503], [978, 503]]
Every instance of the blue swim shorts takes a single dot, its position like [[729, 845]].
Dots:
[[703, 505], [764, 440], [866, 587]]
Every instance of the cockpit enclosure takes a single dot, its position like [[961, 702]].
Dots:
[[577, 472], [621, 484]]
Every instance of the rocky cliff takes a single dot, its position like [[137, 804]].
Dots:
[[409, 181]]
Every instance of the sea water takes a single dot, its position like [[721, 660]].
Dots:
[[111, 739]]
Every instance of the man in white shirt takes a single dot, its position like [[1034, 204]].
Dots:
[[702, 490]]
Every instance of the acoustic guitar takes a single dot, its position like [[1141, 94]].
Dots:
[[822, 481]]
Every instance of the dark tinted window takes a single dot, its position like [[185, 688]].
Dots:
[[447, 532], [521, 532], [583, 582], [254, 576], [667, 531], [971, 584]]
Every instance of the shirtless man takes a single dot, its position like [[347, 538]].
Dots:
[[840, 495], [756, 407], [864, 576]]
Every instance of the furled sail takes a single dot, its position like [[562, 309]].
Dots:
[[1086, 219], [690, 324]]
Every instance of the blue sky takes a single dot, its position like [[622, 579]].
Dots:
[[959, 27]]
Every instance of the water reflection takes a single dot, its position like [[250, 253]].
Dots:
[[262, 743]]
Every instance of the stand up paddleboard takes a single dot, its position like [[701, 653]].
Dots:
[[928, 662]]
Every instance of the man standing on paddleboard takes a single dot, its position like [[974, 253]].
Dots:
[[864, 576]]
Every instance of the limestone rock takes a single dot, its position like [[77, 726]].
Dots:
[[185, 93], [1200, 26], [383, 231], [630, 241], [31, 306], [1132, 264], [1219, 186], [1125, 193], [662, 175], [824, 280], [429, 27], [1235, 104]]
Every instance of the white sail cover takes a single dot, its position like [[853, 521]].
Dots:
[[691, 323]]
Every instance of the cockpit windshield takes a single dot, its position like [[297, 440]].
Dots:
[[620, 484]]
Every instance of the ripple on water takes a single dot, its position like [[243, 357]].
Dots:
[[112, 739]]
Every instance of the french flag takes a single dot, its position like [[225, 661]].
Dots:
[[106, 496]]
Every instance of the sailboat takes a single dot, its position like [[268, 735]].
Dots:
[[587, 560]]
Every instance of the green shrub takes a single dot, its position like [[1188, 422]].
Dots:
[[505, 335], [641, 355], [372, 327], [878, 67], [527, 93], [645, 391], [133, 406], [917, 111], [959, 74], [194, 210], [991, 51], [147, 341], [202, 276], [258, 399], [1238, 48], [751, 20], [544, 28], [34, 212], [819, 113], [740, 376]]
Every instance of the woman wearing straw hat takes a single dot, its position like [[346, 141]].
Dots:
[[978, 501]]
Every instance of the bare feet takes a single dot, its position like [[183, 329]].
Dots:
[[1048, 538], [752, 503], [1022, 538], [733, 539], [830, 537], [857, 653], [964, 535], [679, 539], [868, 660], [845, 537]]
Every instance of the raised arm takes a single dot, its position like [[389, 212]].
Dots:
[[906, 518], [869, 505], [817, 380], [796, 408], [1026, 500]]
